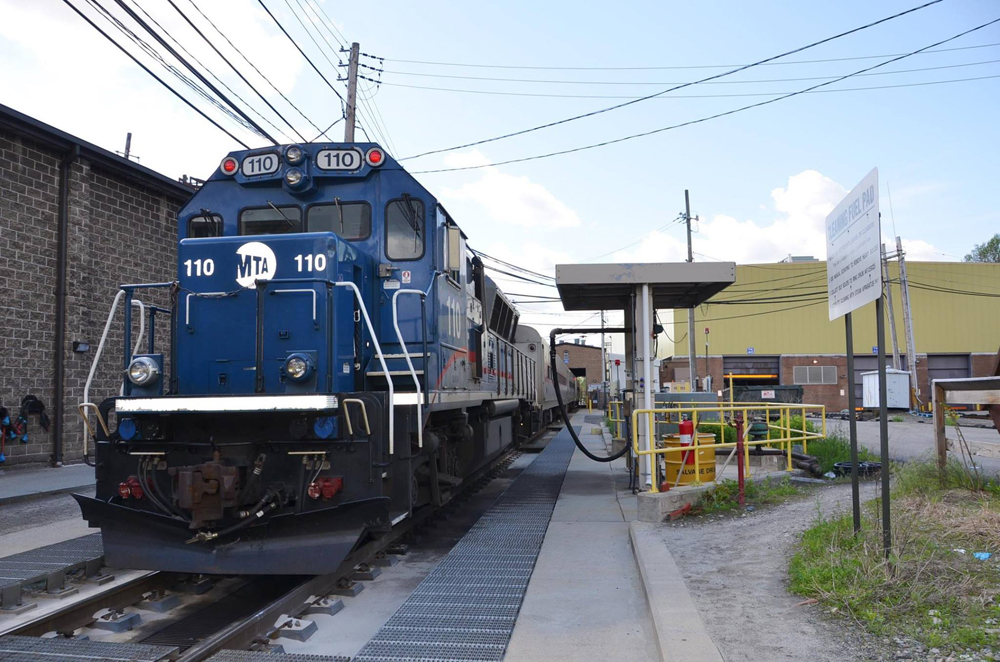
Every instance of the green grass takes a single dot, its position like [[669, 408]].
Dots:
[[835, 449], [725, 497], [896, 419], [926, 590]]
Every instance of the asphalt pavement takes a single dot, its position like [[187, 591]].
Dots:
[[910, 440]]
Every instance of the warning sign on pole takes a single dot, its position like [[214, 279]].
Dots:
[[853, 249]]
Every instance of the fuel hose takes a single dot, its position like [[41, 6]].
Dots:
[[559, 398]]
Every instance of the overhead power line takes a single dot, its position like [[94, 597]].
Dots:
[[672, 67], [677, 87], [258, 71], [301, 52], [543, 95], [709, 117], [624, 83], [512, 266], [235, 70], [150, 72], [211, 73], [170, 49], [154, 54]]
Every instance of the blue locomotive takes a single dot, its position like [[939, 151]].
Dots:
[[338, 360]]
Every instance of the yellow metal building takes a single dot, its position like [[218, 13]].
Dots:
[[774, 319]]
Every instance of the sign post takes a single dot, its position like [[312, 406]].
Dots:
[[854, 279]]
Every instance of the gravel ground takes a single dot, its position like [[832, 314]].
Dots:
[[736, 568]]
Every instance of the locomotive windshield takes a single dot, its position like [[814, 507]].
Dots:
[[271, 220], [349, 220]]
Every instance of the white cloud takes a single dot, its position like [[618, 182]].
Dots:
[[60, 70], [803, 205], [507, 199]]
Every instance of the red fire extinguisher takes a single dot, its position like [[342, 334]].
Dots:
[[686, 428]]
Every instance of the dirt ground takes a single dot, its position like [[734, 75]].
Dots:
[[736, 568]]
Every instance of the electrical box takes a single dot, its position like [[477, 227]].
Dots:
[[897, 389]]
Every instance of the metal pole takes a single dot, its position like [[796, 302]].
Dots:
[[647, 369], [352, 92], [740, 469], [892, 314], [904, 290], [692, 352], [853, 423], [883, 424], [128, 144], [604, 366]]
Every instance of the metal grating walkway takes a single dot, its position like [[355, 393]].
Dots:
[[32, 649], [259, 656], [465, 609], [48, 564]]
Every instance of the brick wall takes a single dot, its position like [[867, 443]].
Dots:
[[120, 231], [583, 356], [834, 396]]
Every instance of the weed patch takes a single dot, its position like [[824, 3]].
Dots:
[[725, 497], [835, 449], [931, 588]]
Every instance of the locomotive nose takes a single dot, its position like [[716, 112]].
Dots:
[[262, 315]]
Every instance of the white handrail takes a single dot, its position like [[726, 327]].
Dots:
[[97, 357], [409, 364], [381, 357]]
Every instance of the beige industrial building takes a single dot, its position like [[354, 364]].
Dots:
[[772, 327]]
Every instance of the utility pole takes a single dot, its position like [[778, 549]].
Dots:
[[604, 366], [691, 341], [892, 315], [904, 289], [352, 92]]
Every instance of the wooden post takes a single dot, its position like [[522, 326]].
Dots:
[[940, 422]]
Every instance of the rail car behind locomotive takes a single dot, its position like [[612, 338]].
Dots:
[[337, 360]]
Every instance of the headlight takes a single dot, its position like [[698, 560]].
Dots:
[[294, 155], [142, 371], [298, 368], [293, 177]]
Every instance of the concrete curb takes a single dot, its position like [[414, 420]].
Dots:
[[680, 632]]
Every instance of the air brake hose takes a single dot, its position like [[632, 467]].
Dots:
[[562, 405]]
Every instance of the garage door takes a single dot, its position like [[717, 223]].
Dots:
[[949, 366], [751, 365]]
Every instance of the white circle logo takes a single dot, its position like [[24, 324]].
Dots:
[[255, 262]]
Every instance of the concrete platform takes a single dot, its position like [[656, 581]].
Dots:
[[25, 484], [591, 596]]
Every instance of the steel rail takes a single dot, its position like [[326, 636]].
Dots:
[[242, 634], [80, 613]]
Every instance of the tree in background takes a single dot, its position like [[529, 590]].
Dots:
[[986, 252]]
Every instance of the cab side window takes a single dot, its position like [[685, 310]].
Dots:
[[404, 229], [205, 226], [270, 220]]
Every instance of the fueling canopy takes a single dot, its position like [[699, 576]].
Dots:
[[671, 284]]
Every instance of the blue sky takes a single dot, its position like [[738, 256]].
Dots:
[[761, 181]]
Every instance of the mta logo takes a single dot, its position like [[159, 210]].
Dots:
[[255, 261]]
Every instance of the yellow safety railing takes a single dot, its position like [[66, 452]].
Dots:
[[778, 417], [615, 416]]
